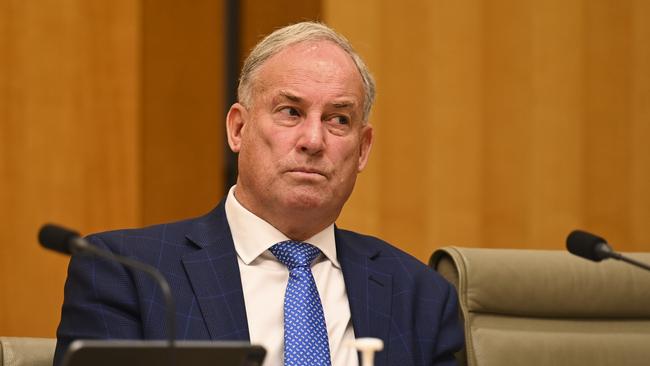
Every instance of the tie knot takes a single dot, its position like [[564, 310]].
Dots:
[[294, 253]]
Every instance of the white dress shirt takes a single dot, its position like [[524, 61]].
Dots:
[[264, 281]]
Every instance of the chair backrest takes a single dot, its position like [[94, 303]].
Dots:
[[24, 351], [540, 307]]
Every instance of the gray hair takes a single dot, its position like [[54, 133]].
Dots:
[[297, 33]]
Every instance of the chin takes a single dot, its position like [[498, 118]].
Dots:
[[306, 197], [305, 201]]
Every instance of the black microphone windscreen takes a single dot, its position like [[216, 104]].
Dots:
[[584, 244], [56, 238]]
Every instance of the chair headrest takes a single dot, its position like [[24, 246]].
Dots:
[[548, 283]]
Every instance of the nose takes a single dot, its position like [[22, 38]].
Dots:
[[311, 138]]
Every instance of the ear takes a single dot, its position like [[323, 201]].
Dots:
[[365, 146], [235, 122]]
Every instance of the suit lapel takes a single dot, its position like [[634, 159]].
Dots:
[[214, 274], [369, 289]]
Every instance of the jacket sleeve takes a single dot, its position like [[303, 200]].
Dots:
[[450, 338], [100, 301]]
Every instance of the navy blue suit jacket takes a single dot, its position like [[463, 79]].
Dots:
[[392, 295]]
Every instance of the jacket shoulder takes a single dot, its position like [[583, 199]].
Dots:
[[390, 256], [172, 234]]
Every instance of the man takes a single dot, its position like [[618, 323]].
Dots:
[[302, 134]]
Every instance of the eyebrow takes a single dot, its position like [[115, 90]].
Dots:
[[346, 103], [291, 97]]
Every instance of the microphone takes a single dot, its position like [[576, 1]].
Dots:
[[62, 240], [595, 248], [589, 246]]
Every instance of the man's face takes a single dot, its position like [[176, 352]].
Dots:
[[301, 142]]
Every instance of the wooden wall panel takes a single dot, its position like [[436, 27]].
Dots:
[[607, 113], [507, 138], [68, 81], [111, 116], [410, 215], [259, 18], [556, 130], [504, 123], [183, 117], [639, 194], [454, 146]]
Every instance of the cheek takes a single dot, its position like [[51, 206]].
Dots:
[[252, 151], [261, 149], [347, 156], [266, 135], [255, 140]]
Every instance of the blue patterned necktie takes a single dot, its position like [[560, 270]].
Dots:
[[305, 333]]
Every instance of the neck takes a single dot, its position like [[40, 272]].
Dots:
[[298, 232], [295, 223]]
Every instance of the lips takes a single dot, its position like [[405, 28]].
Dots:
[[308, 171]]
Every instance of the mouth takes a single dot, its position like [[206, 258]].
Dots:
[[307, 172]]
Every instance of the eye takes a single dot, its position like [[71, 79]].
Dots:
[[341, 120], [338, 125], [290, 111], [286, 115]]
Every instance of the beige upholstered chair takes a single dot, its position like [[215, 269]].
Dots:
[[535, 307], [22, 351]]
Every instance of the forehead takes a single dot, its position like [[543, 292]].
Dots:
[[318, 67]]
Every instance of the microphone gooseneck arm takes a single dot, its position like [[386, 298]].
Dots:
[[631, 261]]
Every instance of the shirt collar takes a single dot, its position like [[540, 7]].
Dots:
[[252, 235]]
